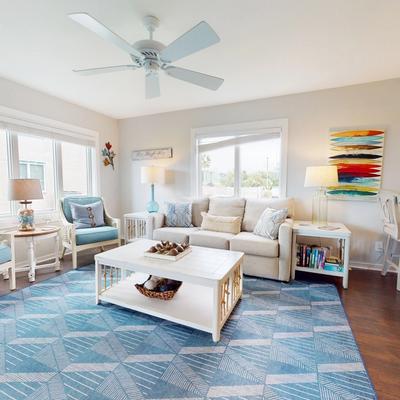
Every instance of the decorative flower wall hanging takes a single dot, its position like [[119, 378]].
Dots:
[[109, 155]]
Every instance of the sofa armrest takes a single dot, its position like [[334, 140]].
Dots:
[[159, 220], [67, 229], [114, 222], [285, 250]]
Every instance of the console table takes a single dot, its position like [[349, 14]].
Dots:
[[340, 233]]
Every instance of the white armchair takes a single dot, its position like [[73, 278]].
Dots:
[[7, 258], [77, 240]]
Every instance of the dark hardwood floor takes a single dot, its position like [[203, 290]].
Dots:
[[371, 303]]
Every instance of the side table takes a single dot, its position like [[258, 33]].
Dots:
[[339, 232], [139, 225], [31, 238]]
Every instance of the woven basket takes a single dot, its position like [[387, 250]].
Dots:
[[154, 294]]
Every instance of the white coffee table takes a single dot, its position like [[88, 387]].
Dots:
[[212, 284]]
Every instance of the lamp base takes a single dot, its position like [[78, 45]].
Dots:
[[152, 206], [320, 208], [26, 219]]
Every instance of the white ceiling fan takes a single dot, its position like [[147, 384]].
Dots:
[[154, 56]]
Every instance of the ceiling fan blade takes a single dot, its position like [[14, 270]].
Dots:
[[97, 27], [197, 78], [102, 70], [198, 38], [152, 86]]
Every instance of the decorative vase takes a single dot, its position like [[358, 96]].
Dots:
[[26, 219], [320, 208]]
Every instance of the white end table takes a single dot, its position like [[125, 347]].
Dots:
[[32, 237], [139, 225], [342, 234]]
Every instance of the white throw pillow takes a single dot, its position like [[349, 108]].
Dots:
[[269, 223], [218, 223]]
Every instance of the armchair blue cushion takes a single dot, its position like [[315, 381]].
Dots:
[[94, 235], [5, 253], [83, 200]]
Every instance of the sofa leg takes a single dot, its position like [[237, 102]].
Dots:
[[102, 248], [74, 259]]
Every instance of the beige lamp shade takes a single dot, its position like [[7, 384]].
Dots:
[[152, 174], [321, 176], [24, 189]]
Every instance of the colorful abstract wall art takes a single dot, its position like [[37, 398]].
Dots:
[[358, 155]]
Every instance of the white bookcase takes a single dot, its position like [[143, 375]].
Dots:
[[341, 234]]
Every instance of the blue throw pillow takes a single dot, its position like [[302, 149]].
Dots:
[[178, 215], [87, 215]]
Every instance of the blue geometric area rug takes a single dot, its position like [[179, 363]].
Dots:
[[283, 341]]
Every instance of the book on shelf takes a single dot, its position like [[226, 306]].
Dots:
[[317, 257]]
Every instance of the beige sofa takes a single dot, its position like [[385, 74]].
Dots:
[[263, 257]]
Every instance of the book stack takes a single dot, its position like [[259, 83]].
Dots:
[[317, 257]]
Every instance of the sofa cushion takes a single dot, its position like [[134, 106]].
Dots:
[[199, 206], [215, 240], [227, 206], [94, 235], [77, 200], [218, 223], [255, 207], [5, 253], [255, 245], [87, 215], [178, 235], [178, 215], [269, 223]]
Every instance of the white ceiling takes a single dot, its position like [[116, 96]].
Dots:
[[267, 48]]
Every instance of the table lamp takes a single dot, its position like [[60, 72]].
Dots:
[[152, 175], [321, 177], [25, 190]]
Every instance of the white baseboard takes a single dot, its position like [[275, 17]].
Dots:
[[369, 266]]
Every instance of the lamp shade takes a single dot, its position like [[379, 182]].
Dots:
[[321, 176], [152, 174], [24, 189]]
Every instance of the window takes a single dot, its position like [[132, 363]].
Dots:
[[62, 167], [4, 174], [75, 167], [247, 160], [32, 170], [217, 171], [40, 153]]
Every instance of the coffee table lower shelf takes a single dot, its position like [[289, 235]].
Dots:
[[190, 306]]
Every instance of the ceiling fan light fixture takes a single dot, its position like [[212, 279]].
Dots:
[[154, 56]]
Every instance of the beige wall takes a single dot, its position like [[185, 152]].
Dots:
[[310, 115]]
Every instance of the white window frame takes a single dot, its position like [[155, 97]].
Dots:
[[62, 130], [263, 128], [29, 164]]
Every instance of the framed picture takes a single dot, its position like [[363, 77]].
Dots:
[[151, 154], [358, 155]]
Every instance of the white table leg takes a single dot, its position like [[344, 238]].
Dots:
[[346, 263], [294, 256], [56, 253], [97, 280], [216, 320], [31, 259]]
